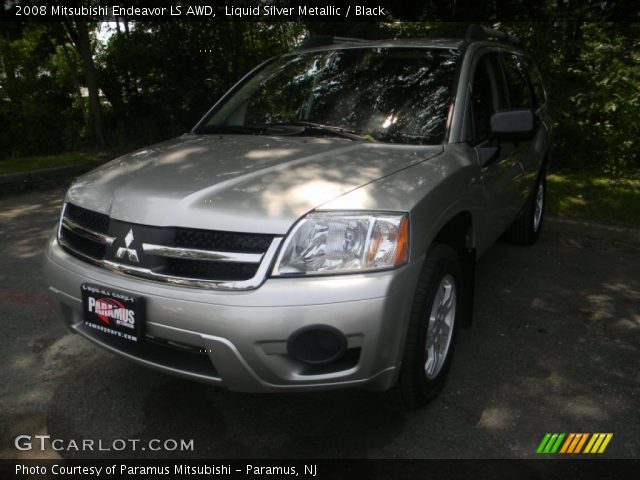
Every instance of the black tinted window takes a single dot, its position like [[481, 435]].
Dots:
[[518, 81], [391, 94], [487, 95]]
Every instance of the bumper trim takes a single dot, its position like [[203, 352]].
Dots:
[[147, 362], [238, 375], [234, 332]]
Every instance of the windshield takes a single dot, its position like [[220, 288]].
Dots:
[[396, 95]]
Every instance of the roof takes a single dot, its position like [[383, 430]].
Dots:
[[446, 43], [475, 33]]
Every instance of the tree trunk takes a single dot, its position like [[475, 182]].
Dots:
[[74, 78], [79, 33], [573, 46]]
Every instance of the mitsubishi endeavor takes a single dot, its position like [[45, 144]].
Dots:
[[319, 227]]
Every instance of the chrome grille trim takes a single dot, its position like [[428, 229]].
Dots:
[[263, 261], [84, 256], [254, 282], [198, 254], [86, 233]]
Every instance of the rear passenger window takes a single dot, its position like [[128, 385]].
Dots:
[[518, 82]]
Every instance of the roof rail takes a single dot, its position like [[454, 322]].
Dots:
[[478, 32], [322, 40]]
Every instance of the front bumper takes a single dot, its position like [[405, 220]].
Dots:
[[238, 339]]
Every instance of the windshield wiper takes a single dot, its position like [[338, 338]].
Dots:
[[403, 138], [318, 128]]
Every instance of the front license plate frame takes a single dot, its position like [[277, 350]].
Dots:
[[113, 313]]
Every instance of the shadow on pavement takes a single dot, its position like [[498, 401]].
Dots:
[[554, 347]]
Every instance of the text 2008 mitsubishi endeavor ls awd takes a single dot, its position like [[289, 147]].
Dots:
[[319, 227]]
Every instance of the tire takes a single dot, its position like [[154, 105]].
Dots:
[[526, 228], [421, 375]]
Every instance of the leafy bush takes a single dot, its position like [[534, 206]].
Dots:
[[158, 79], [37, 110], [592, 72]]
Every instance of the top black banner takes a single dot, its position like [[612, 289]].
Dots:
[[323, 11]]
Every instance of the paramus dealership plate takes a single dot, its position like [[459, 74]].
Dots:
[[113, 313]]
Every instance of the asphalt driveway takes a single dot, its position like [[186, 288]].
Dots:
[[555, 347]]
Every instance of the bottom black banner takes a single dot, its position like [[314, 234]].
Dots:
[[320, 469]]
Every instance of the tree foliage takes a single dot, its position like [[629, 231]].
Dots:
[[156, 79], [160, 78], [38, 111], [592, 74]]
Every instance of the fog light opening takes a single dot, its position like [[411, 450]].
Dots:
[[317, 344]]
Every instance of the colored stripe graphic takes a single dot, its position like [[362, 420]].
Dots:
[[591, 442], [574, 443], [543, 443], [598, 442], [550, 443], [567, 443], [581, 442], [556, 445], [606, 442]]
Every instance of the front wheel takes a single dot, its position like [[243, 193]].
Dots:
[[432, 329]]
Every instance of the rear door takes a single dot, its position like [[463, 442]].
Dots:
[[522, 95], [501, 176]]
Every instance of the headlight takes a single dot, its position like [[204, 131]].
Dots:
[[340, 242]]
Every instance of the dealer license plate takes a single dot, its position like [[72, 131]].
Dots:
[[112, 312]]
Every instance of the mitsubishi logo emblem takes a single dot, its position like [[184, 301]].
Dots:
[[131, 253]]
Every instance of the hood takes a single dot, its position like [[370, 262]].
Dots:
[[242, 183]]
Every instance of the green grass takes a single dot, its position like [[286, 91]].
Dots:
[[21, 164], [593, 196]]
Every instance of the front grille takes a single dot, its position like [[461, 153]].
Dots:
[[225, 241], [98, 222], [169, 254], [83, 246], [203, 269]]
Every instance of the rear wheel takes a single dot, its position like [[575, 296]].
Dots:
[[526, 228], [432, 329]]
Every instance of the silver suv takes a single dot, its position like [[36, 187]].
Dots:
[[319, 227]]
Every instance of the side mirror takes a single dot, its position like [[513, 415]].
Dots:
[[513, 125]]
